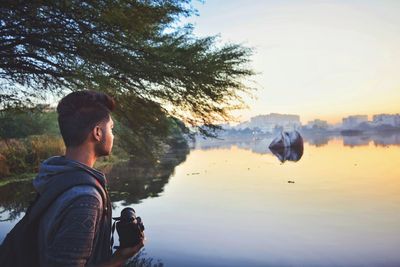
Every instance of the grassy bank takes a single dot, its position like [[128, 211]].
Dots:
[[23, 155], [20, 158], [17, 178]]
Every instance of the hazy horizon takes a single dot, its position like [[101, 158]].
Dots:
[[305, 121]]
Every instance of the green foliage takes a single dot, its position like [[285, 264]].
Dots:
[[24, 155], [27, 136], [147, 141], [131, 49], [20, 122]]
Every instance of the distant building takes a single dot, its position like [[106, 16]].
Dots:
[[386, 119], [317, 124], [354, 121], [267, 123]]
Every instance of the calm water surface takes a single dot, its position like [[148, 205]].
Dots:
[[230, 204]]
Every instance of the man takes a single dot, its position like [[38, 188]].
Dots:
[[75, 229]]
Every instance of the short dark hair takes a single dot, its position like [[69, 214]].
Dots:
[[79, 112]]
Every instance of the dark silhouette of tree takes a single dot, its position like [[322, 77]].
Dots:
[[14, 199], [131, 49], [134, 181]]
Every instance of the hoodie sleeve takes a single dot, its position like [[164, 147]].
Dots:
[[73, 237]]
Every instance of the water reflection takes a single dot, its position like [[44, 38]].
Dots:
[[363, 139], [142, 260], [342, 209], [260, 145], [318, 139], [386, 139], [14, 199], [353, 141], [129, 182], [256, 145], [288, 153]]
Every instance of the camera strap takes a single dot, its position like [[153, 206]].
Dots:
[[112, 233]]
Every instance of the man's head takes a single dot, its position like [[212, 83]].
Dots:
[[84, 117]]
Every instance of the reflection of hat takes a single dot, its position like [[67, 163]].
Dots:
[[288, 153]]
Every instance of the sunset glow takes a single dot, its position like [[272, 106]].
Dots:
[[317, 59]]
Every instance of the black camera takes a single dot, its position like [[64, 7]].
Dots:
[[129, 228]]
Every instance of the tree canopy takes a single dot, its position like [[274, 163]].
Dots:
[[135, 50]]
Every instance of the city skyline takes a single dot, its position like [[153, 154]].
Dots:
[[357, 118]]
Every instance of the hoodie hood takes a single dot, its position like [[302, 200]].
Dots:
[[56, 165]]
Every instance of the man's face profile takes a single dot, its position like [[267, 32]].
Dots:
[[104, 146]]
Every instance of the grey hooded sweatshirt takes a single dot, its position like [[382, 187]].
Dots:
[[75, 228]]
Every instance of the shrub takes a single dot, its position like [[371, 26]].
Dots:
[[25, 155]]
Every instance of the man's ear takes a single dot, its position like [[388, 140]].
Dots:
[[97, 133]]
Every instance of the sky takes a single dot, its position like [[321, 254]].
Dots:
[[317, 59]]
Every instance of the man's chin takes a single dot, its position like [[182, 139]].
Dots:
[[106, 154], [103, 153]]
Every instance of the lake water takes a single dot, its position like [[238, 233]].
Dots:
[[233, 203]]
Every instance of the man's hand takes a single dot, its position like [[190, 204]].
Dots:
[[121, 255]]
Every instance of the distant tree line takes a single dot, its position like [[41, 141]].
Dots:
[[21, 122]]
